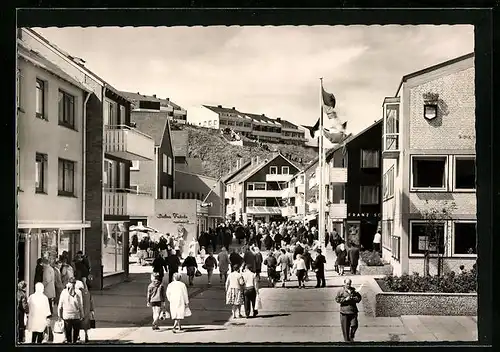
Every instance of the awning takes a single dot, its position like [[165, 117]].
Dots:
[[264, 210], [70, 225]]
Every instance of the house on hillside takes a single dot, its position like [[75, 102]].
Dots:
[[143, 102], [231, 195], [429, 162], [259, 188]]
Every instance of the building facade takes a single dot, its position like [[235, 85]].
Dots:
[[233, 208], [259, 188], [252, 126], [429, 165], [50, 162], [110, 144]]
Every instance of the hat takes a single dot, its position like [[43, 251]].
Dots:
[[72, 280]]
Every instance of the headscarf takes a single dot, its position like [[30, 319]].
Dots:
[[39, 288], [21, 285], [177, 277], [79, 285]]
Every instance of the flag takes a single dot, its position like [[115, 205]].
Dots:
[[329, 103]]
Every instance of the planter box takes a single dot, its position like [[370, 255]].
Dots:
[[385, 269], [395, 304]]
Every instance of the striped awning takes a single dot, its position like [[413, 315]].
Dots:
[[264, 210]]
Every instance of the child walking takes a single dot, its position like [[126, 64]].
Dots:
[[156, 299]]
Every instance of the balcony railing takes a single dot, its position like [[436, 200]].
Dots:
[[265, 194], [278, 177], [337, 211], [124, 202], [128, 143], [338, 175]]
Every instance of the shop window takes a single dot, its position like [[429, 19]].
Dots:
[[48, 241], [369, 159], [69, 241], [464, 238], [112, 247], [169, 192], [429, 172], [420, 240], [40, 172], [66, 183], [465, 173], [369, 195]]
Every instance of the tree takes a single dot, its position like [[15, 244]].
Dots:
[[434, 217]]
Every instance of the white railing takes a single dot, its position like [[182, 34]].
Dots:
[[127, 202], [338, 175], [130, 143], [265, 194], [278, 177]]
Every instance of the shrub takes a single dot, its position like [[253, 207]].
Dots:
[[371, 258], [465, 282]]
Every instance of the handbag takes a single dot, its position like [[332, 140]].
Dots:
[[92, 320], [241, 281], [197, 273], [258, 302], [187, 312], [164, 315], [59, 327]]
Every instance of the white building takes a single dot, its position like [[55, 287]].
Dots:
[[429, 163]]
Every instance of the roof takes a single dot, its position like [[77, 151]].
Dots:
[[218, 109], [142, 97], [71, 58], [433, 68], [262, 118], [153, 124], [38, 60], [260, 166], [229, 176], [288, 124]]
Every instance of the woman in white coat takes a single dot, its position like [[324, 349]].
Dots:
[[177, 296], [39, 313]]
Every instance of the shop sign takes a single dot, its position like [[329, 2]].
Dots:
[[177, 218], [364, 215]]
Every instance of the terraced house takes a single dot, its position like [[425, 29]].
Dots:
[[429, 157], [110, 144]]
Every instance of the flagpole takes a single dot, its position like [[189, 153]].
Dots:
[[321, 212]]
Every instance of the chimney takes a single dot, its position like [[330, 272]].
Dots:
[[154, 95], [278, 119], [234, 108], [219, 106]]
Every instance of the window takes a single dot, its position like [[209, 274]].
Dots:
[[110, 113], [210, 123], [249, 186], [369, 195], [369, 159], [109, 176], [429, 172], [464, 238], [169, 192], [66, 110], [66, 183], [256, 202], [135, 165], [135, 188], [285, 170], [391, 127], [40, 99], [169, 165], [40, 172], [387, 234], [273, 170], [164, 163], [259, 186], [122, 172], [18, 88], [465, 173], [389, 184], [420, 241], [163, 192], [112, 247], [215, 122], [122, 118]]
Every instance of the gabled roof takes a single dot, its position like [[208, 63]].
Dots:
[[262, 118], [218, 109], [288, 124], [38, 60], [231, 175], [72, 59], [259, 166], [151, 123]]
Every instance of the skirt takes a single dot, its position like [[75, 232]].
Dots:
[[234, 296]]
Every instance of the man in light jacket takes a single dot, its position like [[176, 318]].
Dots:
[[70, 309]]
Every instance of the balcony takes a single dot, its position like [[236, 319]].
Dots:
[[278, 177], [128, 143], [338, 175], [265, 194], [123, 202], [337, 211]]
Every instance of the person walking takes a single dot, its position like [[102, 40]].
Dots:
[[59, 286], [22, 311], [377, 239], [234, 291], [299, 267], [66, 270], [348, 298], [258, 261], [38, 271], [173, 264], [39, 313], [191, 266], [223, 259], [209, 266], [271, 264], [235, 259], [49, 282], [70, 309], [250, 290], [340, 261], [353, 255], [319, 268], [249, 259], [88, 308], [308, 260], [177, 296], [159, 265], [156, 297], [285, 265]]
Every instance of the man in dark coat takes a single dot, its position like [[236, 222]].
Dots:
[[159, 265], [319, 268], [353, 255], [298, 250], [335, 239], [213, 239], [173, 264], [235, 259], [228, 237], [249, 260], [348, 297], [239, 233]]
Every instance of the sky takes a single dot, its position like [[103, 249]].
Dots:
[[264, 69]]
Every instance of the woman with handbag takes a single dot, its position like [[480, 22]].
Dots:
[[88, 309], [177, 296], [39, 313], [234, 291], [191, 267]]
